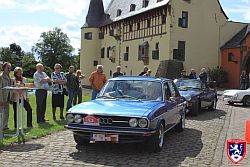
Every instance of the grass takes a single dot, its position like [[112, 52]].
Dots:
[[38, 130]]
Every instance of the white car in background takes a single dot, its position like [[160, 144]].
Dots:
[[237, 96]]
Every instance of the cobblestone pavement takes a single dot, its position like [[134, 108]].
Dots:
[[200, 144]]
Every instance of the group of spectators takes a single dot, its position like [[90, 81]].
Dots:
[[62, 84], [244, 80], [192, 75]]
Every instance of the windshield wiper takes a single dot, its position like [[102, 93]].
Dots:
[[106, 97], [126, 96]]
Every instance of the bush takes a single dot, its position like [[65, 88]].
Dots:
[[219, 75]]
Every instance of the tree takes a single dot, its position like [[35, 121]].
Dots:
[[29, 64], [6, 55], [18, 54], [54, 47]]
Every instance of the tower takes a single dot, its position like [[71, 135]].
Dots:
[[90, 42]]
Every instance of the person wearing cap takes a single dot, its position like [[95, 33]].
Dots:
[[148, 73], [20, 80], [97, 80], [118, 72], [6, 96]]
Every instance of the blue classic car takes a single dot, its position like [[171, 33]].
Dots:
[[129, 109], [198, 95]]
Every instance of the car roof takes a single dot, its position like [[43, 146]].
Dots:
[[140, 78]]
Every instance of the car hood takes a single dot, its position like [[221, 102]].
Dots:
[[189, 92], [234, 91], [115, 107]]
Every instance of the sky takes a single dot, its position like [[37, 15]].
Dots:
[[23, 21]]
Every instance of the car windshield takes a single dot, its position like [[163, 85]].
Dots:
[[134, 90], [188, 84]]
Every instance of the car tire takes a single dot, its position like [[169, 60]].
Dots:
[[80, 140], [156, 141], [195, 108], [213, 105], [230, 103], [181, 125], [246, 101]]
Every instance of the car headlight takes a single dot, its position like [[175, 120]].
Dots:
[[143, 123], [70, 118], [236, 95], [78, 119], [133, 122]]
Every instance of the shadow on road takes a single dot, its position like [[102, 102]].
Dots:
[[177, 147], [23, 147], [208, 115]]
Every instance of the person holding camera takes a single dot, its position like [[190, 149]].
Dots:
[[59, 80]]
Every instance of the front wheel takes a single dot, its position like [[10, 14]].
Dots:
[[246, 101], [156, 141], [195, 108], [79, 140]]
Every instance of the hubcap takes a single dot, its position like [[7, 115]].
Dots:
[[161, 136]]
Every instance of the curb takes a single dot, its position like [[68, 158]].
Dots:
[[220, 146]]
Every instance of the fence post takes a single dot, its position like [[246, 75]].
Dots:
[[1, 127]]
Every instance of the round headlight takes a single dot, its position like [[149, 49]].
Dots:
[[133, 122], [143, 123], [78, 119], [70, 118]]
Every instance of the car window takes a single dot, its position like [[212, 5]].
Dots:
[[172, 89], [144, 90]]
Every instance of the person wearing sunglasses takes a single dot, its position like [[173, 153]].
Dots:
[[59, 80]]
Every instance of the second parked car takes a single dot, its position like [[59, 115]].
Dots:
[[198, 95]]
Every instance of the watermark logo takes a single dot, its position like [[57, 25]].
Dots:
[[236, 150]]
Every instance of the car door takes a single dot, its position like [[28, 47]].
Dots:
[[170, 106], [175, 96], [207, 96]]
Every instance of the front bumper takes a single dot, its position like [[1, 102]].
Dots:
[[232, 99], [126, 135]]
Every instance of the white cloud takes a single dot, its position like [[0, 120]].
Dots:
[[26, 36]]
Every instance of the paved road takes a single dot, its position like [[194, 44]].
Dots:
[[201, 144]]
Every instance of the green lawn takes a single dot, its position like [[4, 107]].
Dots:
[[38, 130]]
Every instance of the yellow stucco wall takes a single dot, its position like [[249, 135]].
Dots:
[[207, 30], [90, 52], [202, 34]]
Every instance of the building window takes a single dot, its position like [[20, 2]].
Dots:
[[126, 55], [148, 23], [95, 63], [155, 53], [183, 22], [138, 26], [102, 52], [119, 12], [108, 49], [179, 54], [130, 27], [163, 19], [132, 7], [101, 35], [145, 3], [231, 57], [88, 36]]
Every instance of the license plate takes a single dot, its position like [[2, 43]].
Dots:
[[103, 137]]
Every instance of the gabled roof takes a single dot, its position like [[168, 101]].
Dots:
[[247, 32], [236, 40], [124, 6]]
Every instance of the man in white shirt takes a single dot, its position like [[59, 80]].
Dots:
[[41, 82]]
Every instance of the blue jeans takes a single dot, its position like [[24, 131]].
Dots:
[[71, 95], [94, 94]]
